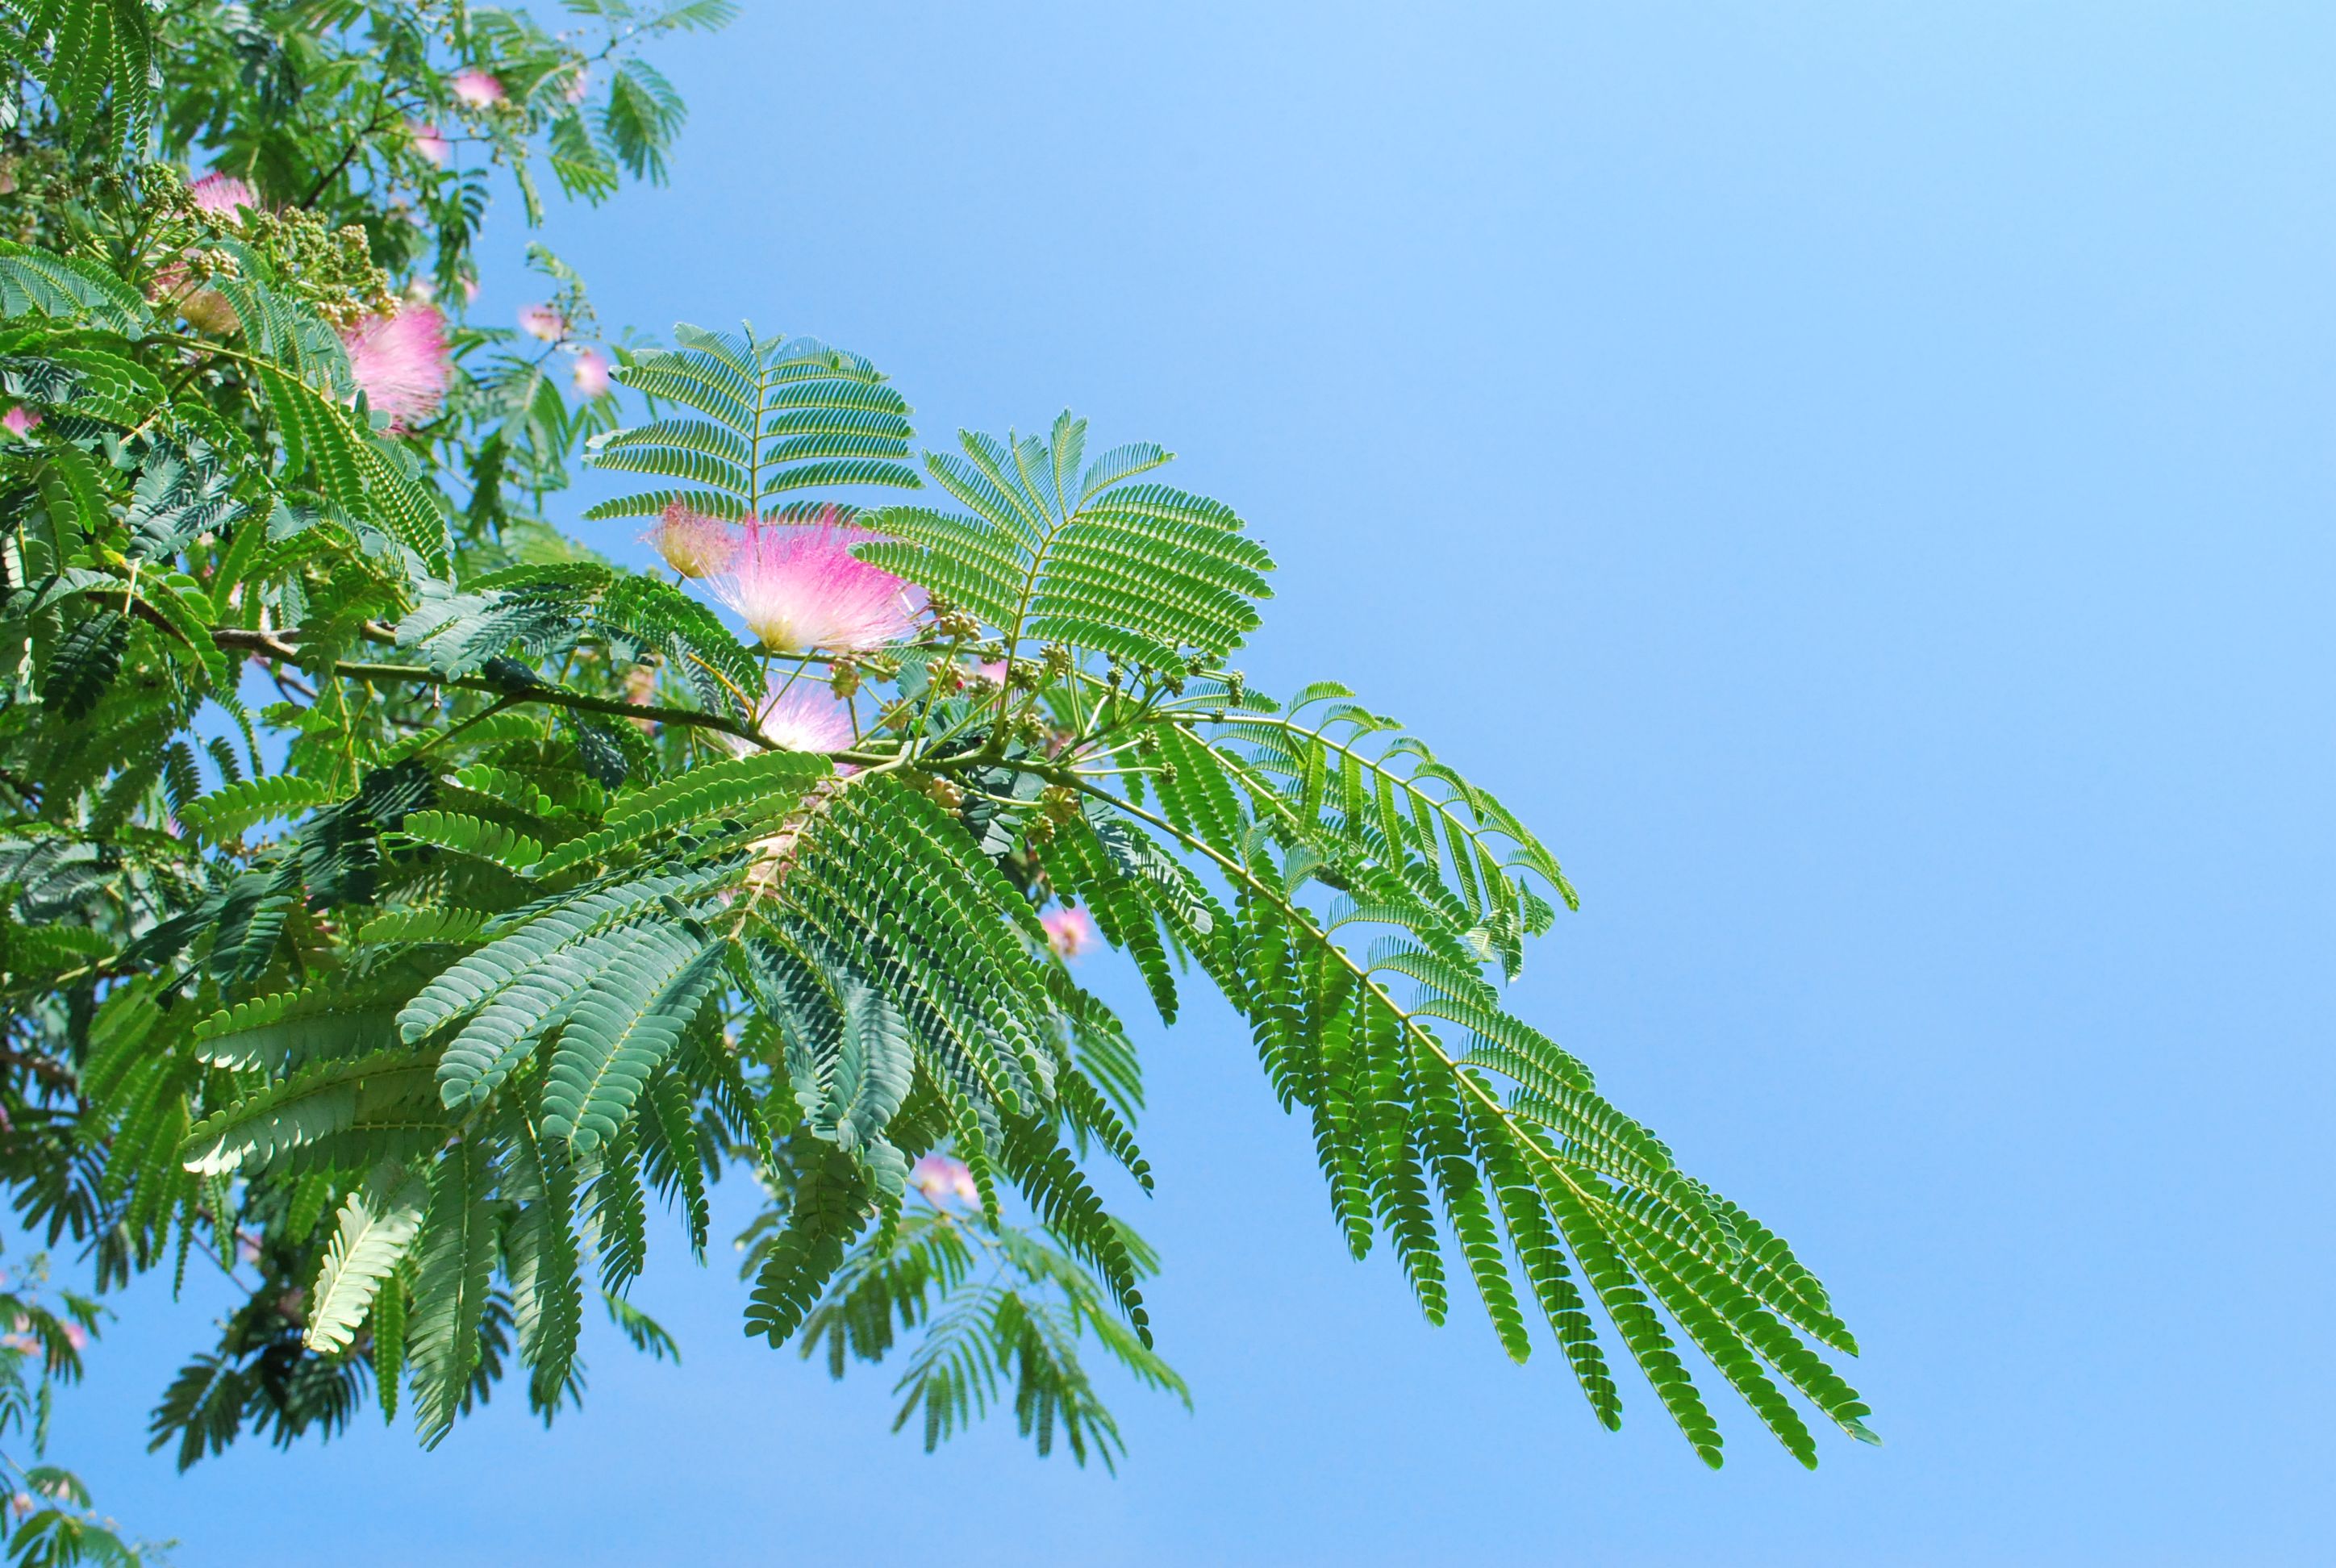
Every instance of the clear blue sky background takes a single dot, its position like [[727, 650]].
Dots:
[[1858, 477]]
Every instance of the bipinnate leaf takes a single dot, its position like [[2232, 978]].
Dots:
[[376, 1224], [619, 1030]]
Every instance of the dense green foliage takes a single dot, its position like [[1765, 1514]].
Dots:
[[398, 897]]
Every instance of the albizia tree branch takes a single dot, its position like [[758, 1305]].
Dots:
[[550, 885]]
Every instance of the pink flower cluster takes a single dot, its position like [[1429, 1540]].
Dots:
[[1070, 931], [542, 321], [808, 717], [401, 363], [802, 714], [940, 1178], [222, 195], [693, 542], [477, 89], [19, 421], [590, 373], [796, 584], [434, 148]]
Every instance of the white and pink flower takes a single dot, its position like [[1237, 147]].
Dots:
[[797, 586], [19, 421], [401, 363], [434, 148], [476, 88], [542, 321], [1070, 931], [693, 542], [805, 715], [938, 1177], [223, 196], [590, 373]]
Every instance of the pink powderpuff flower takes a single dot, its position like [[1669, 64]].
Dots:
[[477, 89], [223, 196], [434, 148], [469, 291], [693, 542], [590, 372], [542, 321], [76, 1336], [399, 363], [805, 715], [579, 86], [1070, 930], [19, 421], [797, 586], [940, 1178]]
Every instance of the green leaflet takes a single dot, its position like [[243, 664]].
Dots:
[[227, 813], [779, 416], [672, 1156], [354, 468], [619, 1215], [547, 1284], [85, 662], [332, 1096], [491, 1043], [470, 836], [269, 1031], [830, 1205], [396, 927], [1142, 572], [1393, 1115], [480, 975], [389, 1310], [752, 788], [1044, 1170], [33, 281], [101, 57], [376, 1225], [451, 1279], [620, 1029]]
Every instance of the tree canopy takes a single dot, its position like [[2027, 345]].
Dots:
[[399, 900]]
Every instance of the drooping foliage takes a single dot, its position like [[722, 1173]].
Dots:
[[401, 901]]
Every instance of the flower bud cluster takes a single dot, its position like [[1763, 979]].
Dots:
[[960, 624], [943, 794]]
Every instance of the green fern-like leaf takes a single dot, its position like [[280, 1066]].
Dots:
[[456, 1259], [752, 788], [620, 1029], [375, 1228], [469, 836], [1141, 572], [564, 920], [333, 1096], [778, 416], [35, 282]]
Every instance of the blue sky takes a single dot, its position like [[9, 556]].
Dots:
[[1857, 478]]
